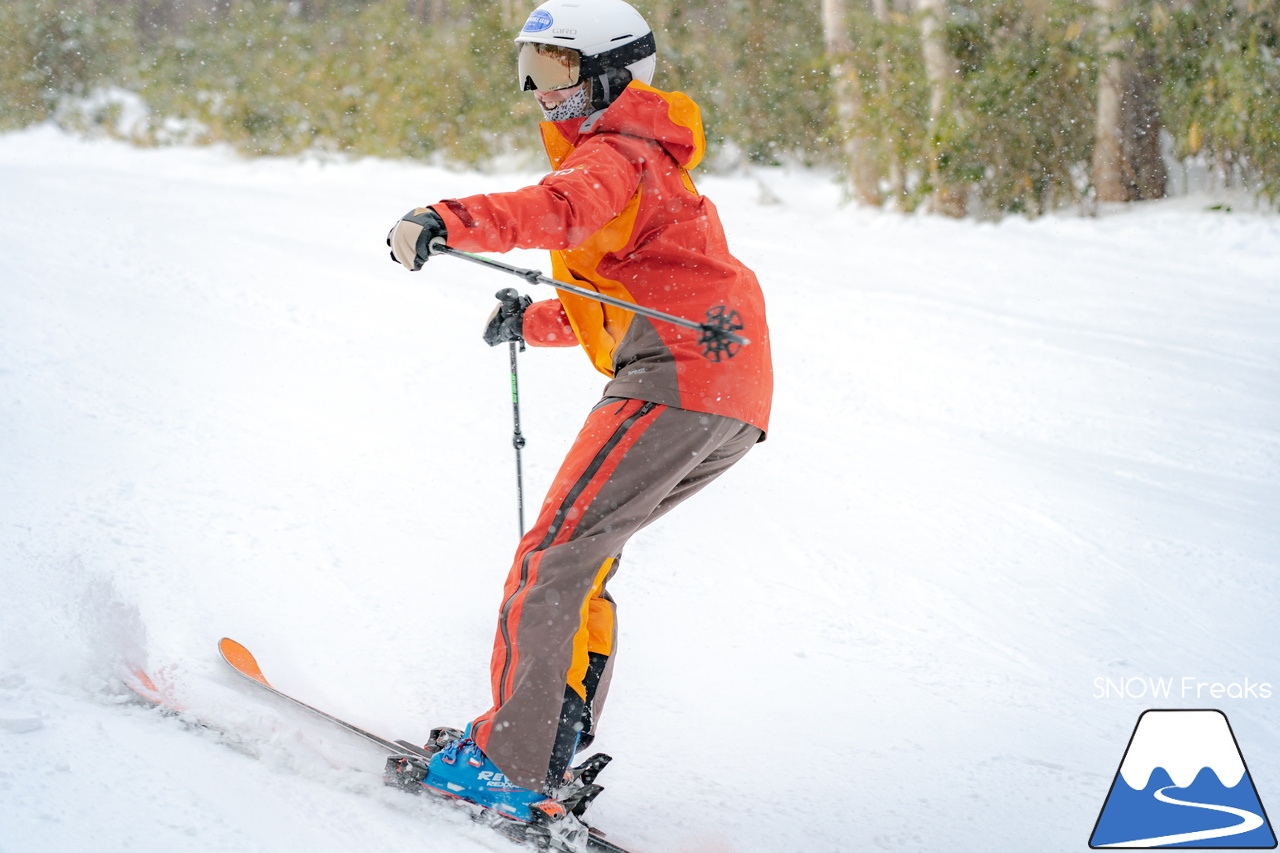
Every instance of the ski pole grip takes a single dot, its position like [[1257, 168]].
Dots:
[[508, 296]]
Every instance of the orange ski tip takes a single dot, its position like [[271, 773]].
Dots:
[[143, 679], [141, 684], [242, 659]]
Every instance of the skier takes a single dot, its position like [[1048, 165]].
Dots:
[[621, 215]]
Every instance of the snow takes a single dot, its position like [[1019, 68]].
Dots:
[[1009, 463]]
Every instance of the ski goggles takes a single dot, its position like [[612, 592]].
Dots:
[[547, 67]]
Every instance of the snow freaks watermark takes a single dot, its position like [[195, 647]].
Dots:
[[1184, 687], [1183, 782]]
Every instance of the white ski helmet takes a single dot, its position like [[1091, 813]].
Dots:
[[614, 46]]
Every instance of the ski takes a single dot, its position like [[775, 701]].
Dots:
[[137, 680], [405, 754], [242, 661], [159, 695]]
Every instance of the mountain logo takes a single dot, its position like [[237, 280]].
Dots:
[[1183, 783]]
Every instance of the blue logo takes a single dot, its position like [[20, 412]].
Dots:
[[539, 21], [1183, 783]]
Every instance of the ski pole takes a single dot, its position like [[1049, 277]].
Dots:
[[511, 299], [718, 334]]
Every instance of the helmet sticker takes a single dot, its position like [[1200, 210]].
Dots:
[[539, 21]]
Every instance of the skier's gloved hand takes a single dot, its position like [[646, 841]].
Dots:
[[412, 238], [506, 323]]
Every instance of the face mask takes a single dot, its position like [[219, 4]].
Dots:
[[576, 105]]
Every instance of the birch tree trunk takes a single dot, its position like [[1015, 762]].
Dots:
[[897, 180], [1127, 165], [860, 167], [943, 73]]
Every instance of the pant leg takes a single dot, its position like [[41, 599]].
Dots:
[[630, 463], [720, 459]]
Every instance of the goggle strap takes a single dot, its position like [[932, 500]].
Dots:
[[619, 57]]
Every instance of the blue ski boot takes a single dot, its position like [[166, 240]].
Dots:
[[457, 769], [461, 770]]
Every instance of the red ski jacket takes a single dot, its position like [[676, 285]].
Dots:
[[621, 216]]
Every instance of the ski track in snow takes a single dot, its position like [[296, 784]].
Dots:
[[1006, 459]]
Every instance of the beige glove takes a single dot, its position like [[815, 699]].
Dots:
[[414, 238]]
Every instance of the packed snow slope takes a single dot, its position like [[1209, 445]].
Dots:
[[1009, 463]]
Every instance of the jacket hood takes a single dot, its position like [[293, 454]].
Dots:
[[671, 119]]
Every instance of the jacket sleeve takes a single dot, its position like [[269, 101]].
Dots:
[[559, 212], [546, 325]]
